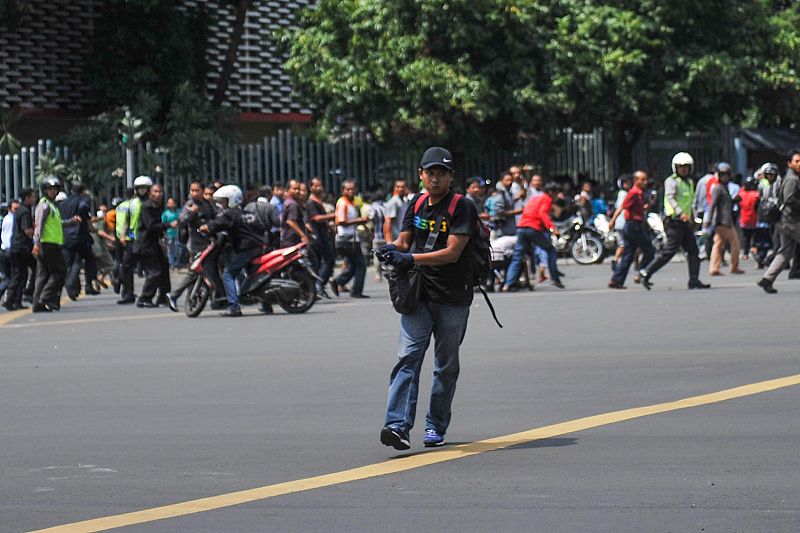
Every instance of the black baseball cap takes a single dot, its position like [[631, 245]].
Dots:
[[436, 156]]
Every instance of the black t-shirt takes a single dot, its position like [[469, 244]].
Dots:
[[451, 283], [22, 221], [322, 229], [294, 212]]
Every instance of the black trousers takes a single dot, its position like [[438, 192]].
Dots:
[[679, 235], [20, 263], [74, 257], [151, 265], [129, 260], [50, 272]]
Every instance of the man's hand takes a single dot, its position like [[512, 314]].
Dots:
[[77, 219], [400, 259], [386, 248], [36, 250], [685, 217], [174, 224]]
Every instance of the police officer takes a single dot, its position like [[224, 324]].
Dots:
[[127, 230], [679, 225], [48, 238]]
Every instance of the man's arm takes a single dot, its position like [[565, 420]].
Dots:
[[295, 227], [387, 229], [450, 254], [619, 210], [712, 209], [404, 241], [503, 210]]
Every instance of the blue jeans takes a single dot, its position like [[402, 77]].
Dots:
[[526, 239], [636, 238], [324, 257], [173, 251], [235, 265], [448, 324], [355, 269]]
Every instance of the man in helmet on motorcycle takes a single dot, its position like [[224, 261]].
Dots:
[[48, 238], [679, 225], [247, 236]]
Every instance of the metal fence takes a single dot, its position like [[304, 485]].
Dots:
[[288, 155], [18, 171]]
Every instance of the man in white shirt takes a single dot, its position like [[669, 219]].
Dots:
[[6, 236], [348, 244]]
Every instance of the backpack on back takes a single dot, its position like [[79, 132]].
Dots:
[[479, 247]]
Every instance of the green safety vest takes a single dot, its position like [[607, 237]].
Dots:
[[684, 195], [134, 210], [122, 218], [52, 231]]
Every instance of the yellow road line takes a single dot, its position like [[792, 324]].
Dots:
[[89, 320], [10, 316], [415, 461]]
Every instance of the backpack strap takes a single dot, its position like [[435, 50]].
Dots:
[[451, 209], [489, 303], [418, 204]]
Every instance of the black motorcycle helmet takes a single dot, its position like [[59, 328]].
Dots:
[[750, 184]]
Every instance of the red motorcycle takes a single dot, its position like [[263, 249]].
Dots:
[[282, 276]]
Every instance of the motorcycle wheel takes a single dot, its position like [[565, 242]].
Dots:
[[308, 293], [196, 298], [589, 254]]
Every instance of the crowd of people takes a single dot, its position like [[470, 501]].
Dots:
[[46, 242]]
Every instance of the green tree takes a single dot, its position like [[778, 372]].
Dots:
[[193, 124], [778, 94], [483, 72], [649, 64], [146, 46], [426, 71], [9, 144]]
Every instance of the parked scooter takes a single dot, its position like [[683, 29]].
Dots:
[[608, 234], [579, 240], [282, 276]]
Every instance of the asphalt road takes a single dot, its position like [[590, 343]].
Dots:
[[108, 410]]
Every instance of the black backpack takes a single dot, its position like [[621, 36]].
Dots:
[[768, 210], [479, 247]]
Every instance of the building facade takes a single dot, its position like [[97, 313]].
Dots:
[[42, 62]]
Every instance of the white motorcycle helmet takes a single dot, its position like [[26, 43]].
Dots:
[[142, 181], [232, 193], [681, 159]]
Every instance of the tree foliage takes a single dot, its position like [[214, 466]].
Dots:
[[146, 46], [493, 70]]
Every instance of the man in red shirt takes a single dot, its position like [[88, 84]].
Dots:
[[534, 229], [635, 234]]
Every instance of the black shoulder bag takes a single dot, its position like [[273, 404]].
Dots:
[[405, 286]]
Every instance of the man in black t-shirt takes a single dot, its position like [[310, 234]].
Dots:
[[319, 222], [293, 227], [445, 267]]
